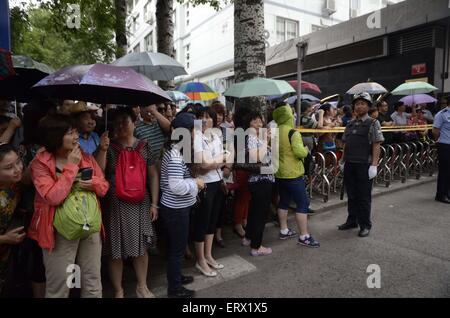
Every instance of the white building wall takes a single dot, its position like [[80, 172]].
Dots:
[[208, 35]]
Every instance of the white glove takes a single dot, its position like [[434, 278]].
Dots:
[[373, 171], [341, 166]]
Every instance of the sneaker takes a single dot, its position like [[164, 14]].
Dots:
[[261, 252], [245, 242], [309, 242], [290, 234]]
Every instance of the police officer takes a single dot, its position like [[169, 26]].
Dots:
[[441, 132], [362, 138]]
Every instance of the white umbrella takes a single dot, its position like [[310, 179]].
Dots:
[[156, 66], [369, 87], [259, 87]]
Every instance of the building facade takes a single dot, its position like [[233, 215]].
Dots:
[[204, 38]]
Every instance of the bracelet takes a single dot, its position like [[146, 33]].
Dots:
[[154, 206]]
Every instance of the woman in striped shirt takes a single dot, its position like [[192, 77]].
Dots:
[[179, 192]]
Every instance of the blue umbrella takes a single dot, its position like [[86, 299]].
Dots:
[[177, 96], [293, 99]]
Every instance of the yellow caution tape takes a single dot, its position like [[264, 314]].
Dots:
[[338, 130]]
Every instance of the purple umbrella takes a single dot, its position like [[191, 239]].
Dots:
[[418, 99], [101, 83]]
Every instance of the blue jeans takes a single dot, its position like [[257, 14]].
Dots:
[[177, 225], [293, 189]]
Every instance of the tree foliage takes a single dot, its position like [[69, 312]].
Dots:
[[42, 32]]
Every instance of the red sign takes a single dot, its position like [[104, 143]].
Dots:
[[418, 69]]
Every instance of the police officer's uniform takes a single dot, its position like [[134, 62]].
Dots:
[[442, 122], [359, 136]]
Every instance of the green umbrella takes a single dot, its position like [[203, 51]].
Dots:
[[413, 88], [259, 87]]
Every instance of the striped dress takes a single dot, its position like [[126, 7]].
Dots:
[[179, 189]]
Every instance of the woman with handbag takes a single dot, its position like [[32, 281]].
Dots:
[[11, 172], [67, 219], [259, 183], [209, 152]]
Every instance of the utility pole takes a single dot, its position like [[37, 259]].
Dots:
[[301, 53]]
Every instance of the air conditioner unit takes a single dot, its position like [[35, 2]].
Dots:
[[330, 7]]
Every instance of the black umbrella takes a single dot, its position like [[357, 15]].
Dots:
[[28, 72]]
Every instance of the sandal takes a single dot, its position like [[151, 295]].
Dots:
[[144, 292]]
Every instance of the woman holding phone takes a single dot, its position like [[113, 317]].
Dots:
[[67, 218]]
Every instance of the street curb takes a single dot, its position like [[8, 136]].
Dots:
[[343, 203], [385, 191]]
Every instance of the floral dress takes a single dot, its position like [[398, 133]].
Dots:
[[9, 199]]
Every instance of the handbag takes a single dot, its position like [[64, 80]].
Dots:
[[79, 216]]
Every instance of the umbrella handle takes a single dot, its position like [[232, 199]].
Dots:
[[106, 117]]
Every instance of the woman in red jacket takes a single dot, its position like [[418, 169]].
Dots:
[[56, 174]]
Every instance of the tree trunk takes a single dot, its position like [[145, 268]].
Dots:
[[120, 27], [164, 33], [249, 47]]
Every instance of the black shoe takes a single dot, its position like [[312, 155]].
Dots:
[[181, 293], [443, 200], [347, 226], [364, 233], [186, 279], [311, 212]]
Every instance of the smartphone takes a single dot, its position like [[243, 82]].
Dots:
[[86, 174]]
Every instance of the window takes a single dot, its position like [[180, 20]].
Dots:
[[149, 42], [147, 12], [186, 49], [315, 28], [137, 48], [356, 4], [174, 18], [187, 14], [286, 29]]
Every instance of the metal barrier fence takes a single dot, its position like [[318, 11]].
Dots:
[[398, 162]]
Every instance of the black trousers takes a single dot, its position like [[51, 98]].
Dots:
[[177, 226], [443, 184], [359, 192], [261, 197], [207, 213]]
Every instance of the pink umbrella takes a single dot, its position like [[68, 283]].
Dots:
[[101, 83], [306, 86], [418, 99]]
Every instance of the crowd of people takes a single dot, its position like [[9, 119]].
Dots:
[[81, 187]]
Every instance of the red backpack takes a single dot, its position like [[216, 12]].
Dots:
[[131, 173]]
